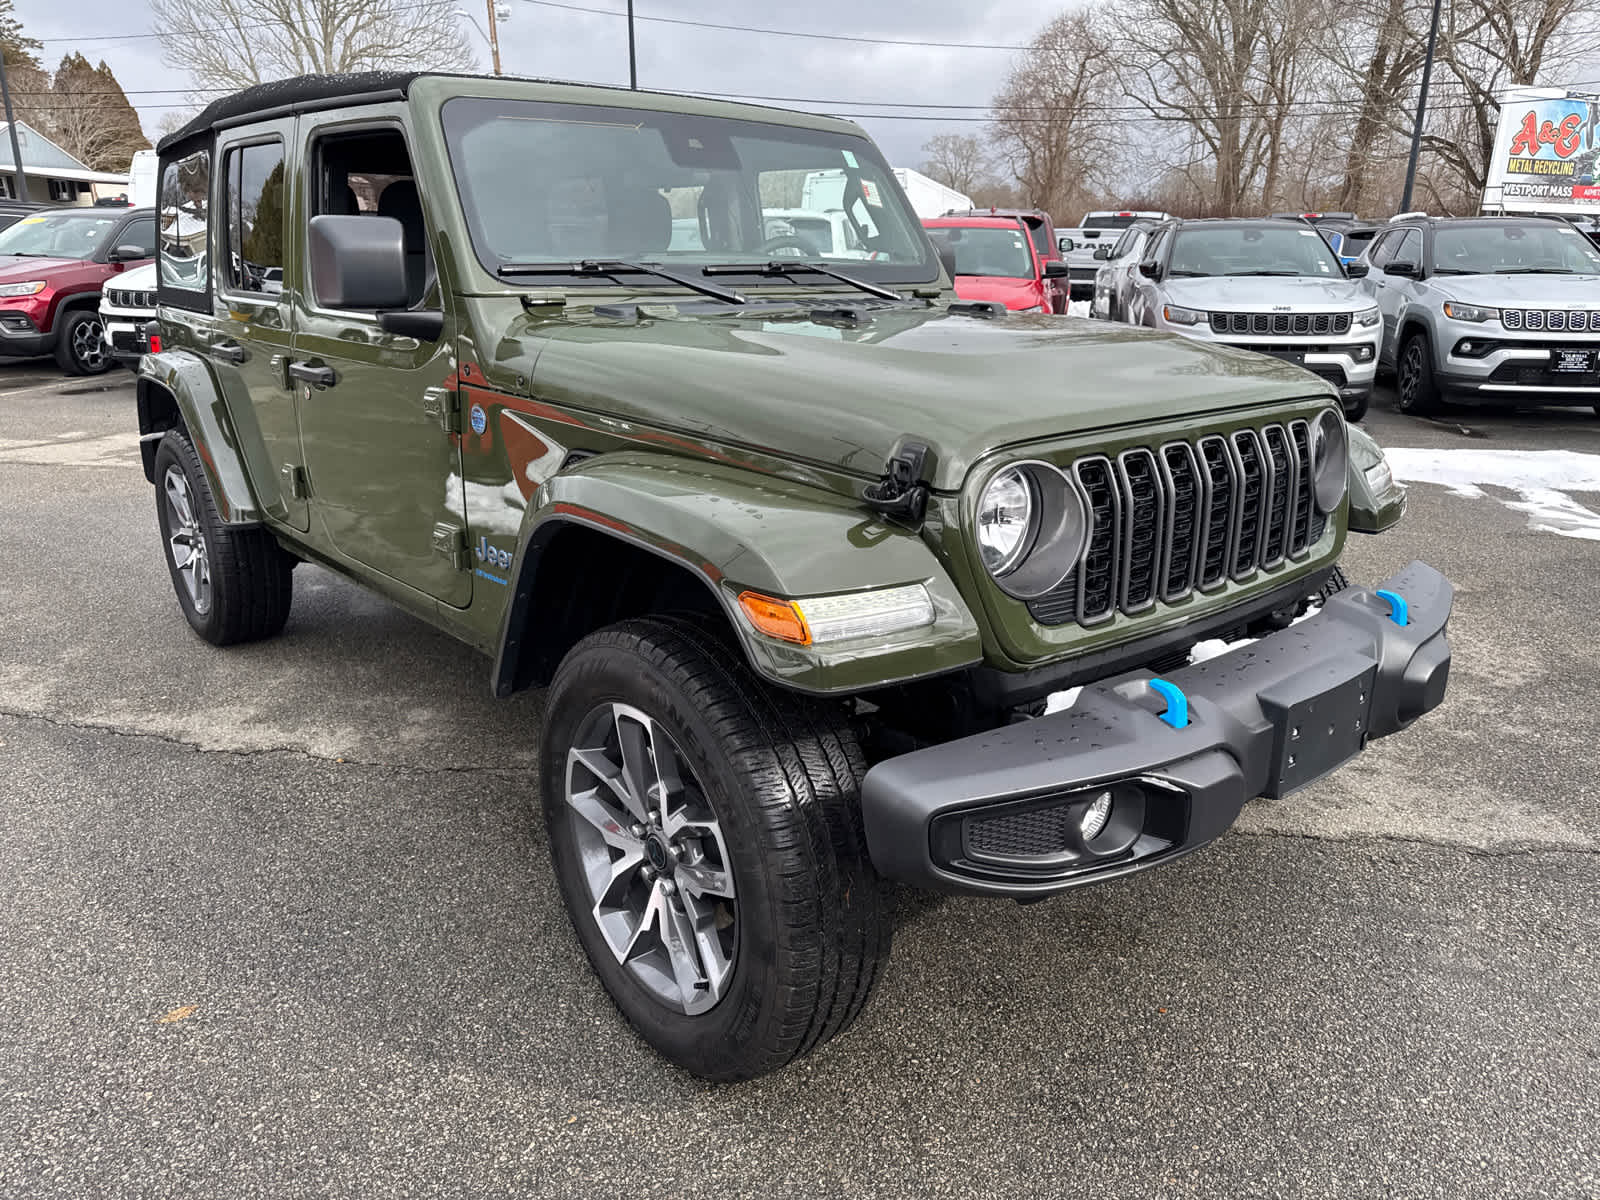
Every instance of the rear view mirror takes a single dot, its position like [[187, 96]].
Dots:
[[947, 257], [357, 262], [1056, 270]]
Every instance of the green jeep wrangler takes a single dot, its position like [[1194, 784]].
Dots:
[[800, 544]]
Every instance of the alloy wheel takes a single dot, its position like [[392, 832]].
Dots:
[[186, 541], [653, 857], [1409, 375], [88, 344]]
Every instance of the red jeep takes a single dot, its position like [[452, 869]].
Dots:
[[52, 266], [1042, 231], [996, 259]]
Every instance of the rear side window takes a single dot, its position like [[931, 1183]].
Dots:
[[254, 234], [184, 218]]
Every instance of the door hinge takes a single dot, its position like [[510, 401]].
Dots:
[[442, 405], [294, 481], [451, 543]]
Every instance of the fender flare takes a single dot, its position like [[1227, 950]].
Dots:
[[734, 530], [186, 379]]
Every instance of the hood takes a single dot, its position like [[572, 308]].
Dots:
[[1514, 291], [1013, 293], [16, 267], [1267, 293], [839, 395], [135, 279]]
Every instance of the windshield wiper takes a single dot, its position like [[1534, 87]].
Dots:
[[593, 267], [804, 268], [1534, 271], [1182, 274], [1455, 271], [1294, 273]]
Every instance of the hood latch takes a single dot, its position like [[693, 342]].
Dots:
[[902, 494]]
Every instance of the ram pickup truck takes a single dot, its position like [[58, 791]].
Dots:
[[799, 546], [1081, 248]]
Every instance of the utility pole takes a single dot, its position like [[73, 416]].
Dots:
[[494, 39], [633, 63], [11, 128], [1422, 108]]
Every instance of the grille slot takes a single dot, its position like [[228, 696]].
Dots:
[[1559, 320], [1282, 324], [1184, 516], [1043, 831]]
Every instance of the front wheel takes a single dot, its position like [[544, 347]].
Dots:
[[1355, 409], [1415, 392], [705, 832], [81, 344]]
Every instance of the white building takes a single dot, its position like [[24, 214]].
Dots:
[[54, 176]]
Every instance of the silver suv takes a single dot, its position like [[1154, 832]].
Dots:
[[1488, 310], [1266, 285]]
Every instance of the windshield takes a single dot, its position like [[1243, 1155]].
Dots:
[[1531, 246], [1002, 253], [58, 235], [565, 183], [1252, 250]]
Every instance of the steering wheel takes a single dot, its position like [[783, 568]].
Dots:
[[789, 241]]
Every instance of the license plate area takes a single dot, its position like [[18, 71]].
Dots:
[[1572, 362], [1318, 724], [1297, 357]]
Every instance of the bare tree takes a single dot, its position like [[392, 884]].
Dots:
[[1050, 118], [1230, 75], [90, 117], [957, 160], [235, 43]]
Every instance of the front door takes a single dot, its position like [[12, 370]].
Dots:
[[252, 332], [383, 471]]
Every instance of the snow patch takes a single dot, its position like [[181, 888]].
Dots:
[[1540, 478], [1078, 308]]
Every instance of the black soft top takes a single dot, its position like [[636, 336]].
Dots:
[[289, 95]]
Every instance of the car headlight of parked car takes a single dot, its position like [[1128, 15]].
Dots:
[[1330, 456], [1176, 314], [1369, 317], [32, 288], [1032, 528], [1457, 311]]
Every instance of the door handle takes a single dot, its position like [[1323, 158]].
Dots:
[[230, 351], [321, 377]]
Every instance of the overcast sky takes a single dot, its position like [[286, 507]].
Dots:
[[858, 78]]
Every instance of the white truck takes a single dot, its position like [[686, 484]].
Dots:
[[823, 191], [1097, 229]]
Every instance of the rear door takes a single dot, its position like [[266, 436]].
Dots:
[[253, 330], [383, 468]]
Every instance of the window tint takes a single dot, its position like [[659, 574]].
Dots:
[[1041, 238], [255, 218], [1383, 247], [140, 233], [184, 217], [1410, 248]]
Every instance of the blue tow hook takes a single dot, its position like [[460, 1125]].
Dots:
[[1398, 612], [1177, 714]]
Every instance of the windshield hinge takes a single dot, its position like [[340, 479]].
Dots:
[[443, 406], [902, 494], [450, 543]]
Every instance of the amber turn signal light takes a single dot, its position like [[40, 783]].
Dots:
[[775, 618]]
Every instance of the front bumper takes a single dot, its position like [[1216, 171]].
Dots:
[[1349, 363], [1518, 368], [124, 334], [21, 338], [1001, 813]]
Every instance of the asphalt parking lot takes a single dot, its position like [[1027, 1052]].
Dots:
[[321, 847]]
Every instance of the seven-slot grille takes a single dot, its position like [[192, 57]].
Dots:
[[1186, 515], [1280, 324], [126, 299], [1557, 320]]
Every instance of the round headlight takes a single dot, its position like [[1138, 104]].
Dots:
[[1032, 528], [1330, 460], [1006, 516]]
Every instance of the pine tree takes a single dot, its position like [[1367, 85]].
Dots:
[[17, 49], [88, 115]]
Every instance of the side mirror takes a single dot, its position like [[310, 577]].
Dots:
[[1067, 245], [947, 258], [128, 252], [1150, 269], [1356, 270], [1403, 268], [1103, 252], [357, 262], [1056, 270]]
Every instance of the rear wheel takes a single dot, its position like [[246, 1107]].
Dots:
[[705, 832], [1415, 392], [81, 343], [234, 585]]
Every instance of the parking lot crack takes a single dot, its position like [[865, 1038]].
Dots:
[[1508, 850]]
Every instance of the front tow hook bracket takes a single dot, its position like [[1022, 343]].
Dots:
[[1398, 610], [1177, 710]]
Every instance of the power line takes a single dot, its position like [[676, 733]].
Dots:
[[793, 33], [135, 37]]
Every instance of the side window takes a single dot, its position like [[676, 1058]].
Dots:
[[185, 222], [1410, 249], [1136, 241], [1158, 246], [370, 172], [1383, 247], [140, 233], [254, 235]]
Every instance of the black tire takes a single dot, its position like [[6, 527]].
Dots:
[[1415, 392], [1354, 410], [1337, 582], [781, 775], [250, 577], [81, 344]]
